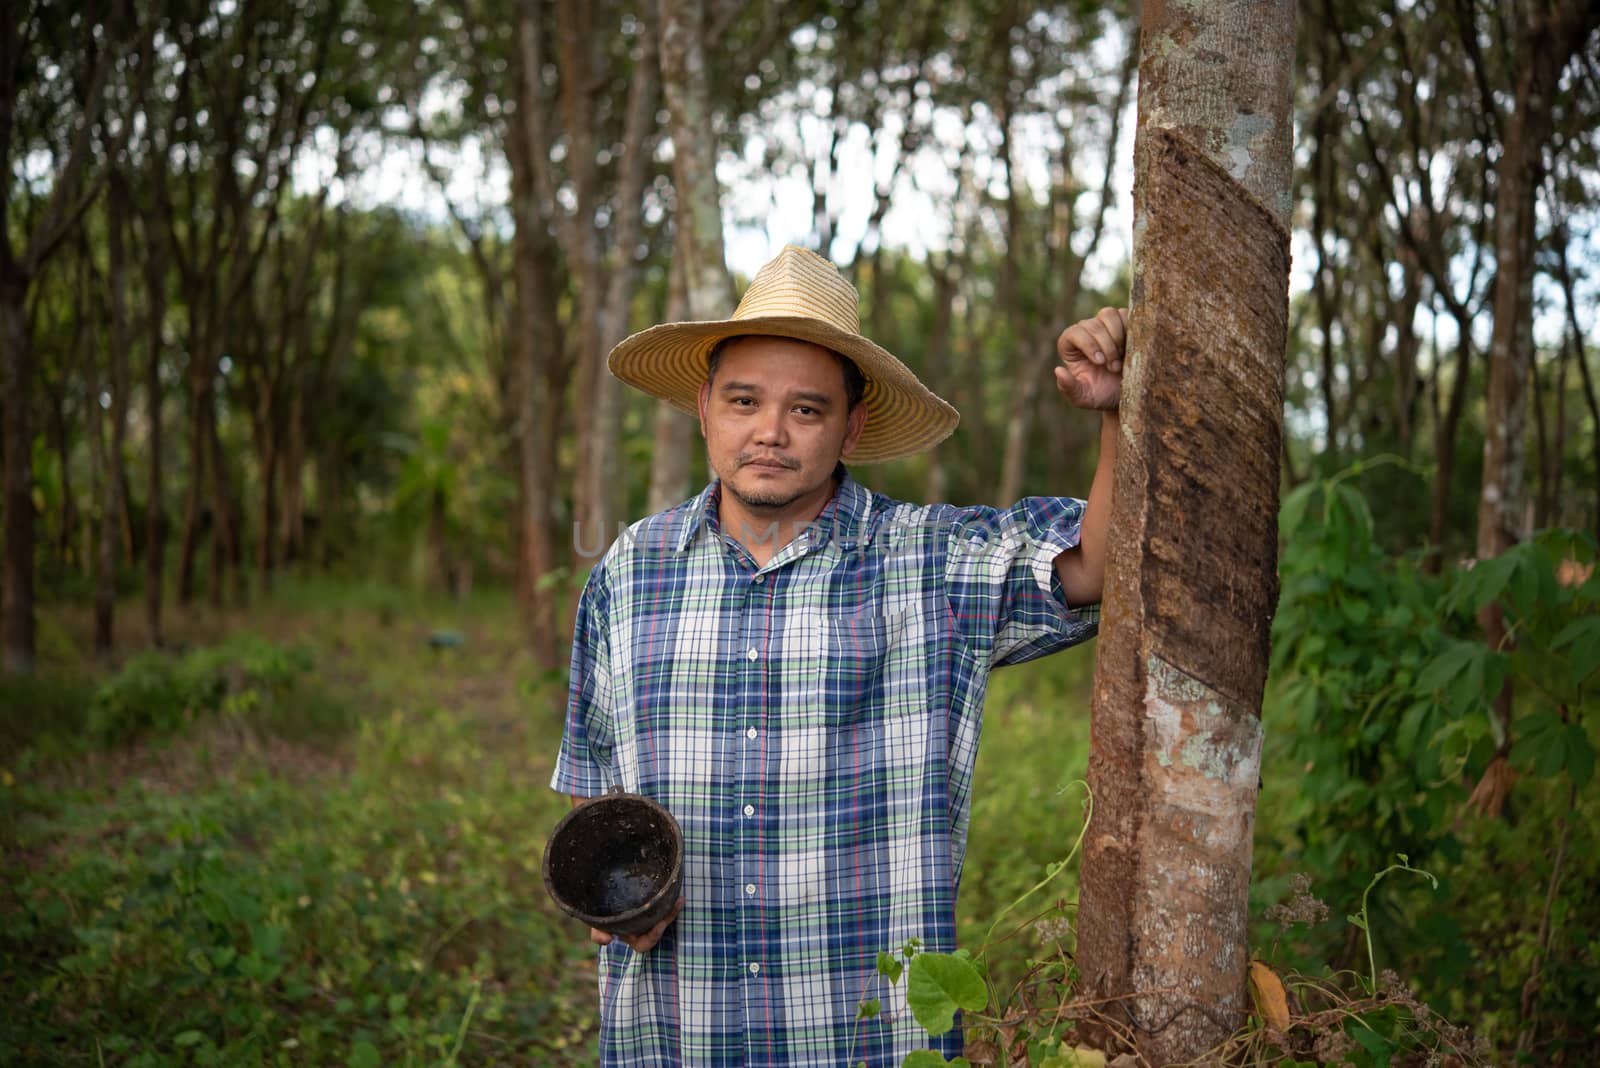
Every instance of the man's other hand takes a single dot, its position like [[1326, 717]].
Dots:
[[642, 943], [1091, 350]]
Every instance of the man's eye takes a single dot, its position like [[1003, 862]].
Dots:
[[806, 410], [743, 401]]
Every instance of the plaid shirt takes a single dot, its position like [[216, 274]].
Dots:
[[813, 725]]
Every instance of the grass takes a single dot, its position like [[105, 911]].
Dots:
[[330, 853], [341, 870]]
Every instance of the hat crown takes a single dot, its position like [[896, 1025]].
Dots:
[[798, 282]]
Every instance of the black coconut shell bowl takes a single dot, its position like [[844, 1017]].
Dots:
[[616, 863]]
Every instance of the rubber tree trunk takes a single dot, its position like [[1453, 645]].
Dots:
[[674, 431], [1191, 580], [535, 347], [685, 86], [16, 596], [112, 487], [1549, 36]]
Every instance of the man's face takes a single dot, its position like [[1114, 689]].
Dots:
[[776, 421]]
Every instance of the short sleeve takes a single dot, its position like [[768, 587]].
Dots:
[[1001, 581], [583, 766]]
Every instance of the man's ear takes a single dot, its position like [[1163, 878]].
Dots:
[[854, 424], [705, 398]]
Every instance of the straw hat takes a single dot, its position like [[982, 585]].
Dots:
[[797, 295]]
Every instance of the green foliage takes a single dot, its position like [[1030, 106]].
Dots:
[[156, 693], [375, 901], [937, 984], [1381, 716], [1360, 919], [40, 710], [1382, 691]]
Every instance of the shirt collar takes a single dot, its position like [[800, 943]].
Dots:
[[844, 517]]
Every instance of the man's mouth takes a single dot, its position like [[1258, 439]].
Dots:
[[769, 463]]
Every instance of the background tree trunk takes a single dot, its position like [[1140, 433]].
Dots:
[[114, 504], [708, 287], [1548, 37], [155, 525], [16, 599], [536, 342], [674, 431], [1191, 582]]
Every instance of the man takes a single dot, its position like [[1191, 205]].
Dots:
[[795, 667]]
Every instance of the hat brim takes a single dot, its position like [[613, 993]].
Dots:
[[903, 416]]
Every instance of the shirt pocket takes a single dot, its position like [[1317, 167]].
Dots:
[[863, 658]]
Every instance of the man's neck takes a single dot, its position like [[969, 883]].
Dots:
[[764, 531]]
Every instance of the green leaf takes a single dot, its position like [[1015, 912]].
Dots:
[[1484, 582], [927, 1058], [923, 1058], [364, 1055], [869, 1009], [1580, 756], [889, 967], [1294, 508], [1448, 665], [939, 984], [1405, 740], [1582, 636], [188, 1038], [1524, 583], [1376, 1044]]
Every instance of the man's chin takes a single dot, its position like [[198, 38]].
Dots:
[[763, 499]]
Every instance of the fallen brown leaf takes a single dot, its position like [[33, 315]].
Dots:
[[1266, 989]]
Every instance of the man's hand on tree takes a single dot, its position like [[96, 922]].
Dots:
[[1090, 375], [641, 943]]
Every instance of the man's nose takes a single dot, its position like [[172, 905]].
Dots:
[[772, 427]]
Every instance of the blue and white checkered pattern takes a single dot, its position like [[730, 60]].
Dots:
[[813, 725]]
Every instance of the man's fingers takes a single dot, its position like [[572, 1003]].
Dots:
[[1078, 342], [646, 942], [1098, 340], [599, 937], [1115, 321]]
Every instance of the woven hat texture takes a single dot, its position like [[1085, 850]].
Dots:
[[796, 295]]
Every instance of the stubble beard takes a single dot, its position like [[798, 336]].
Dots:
[[758, 501]]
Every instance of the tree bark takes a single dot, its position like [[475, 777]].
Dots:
[[1191, 579], [1575, 337], [707, 285], [16, 613], [155, 273], [1550, 37], [936, 483], [22, 255], [582, 70], [536, 343], [599, 500], [674, 431], [1444, 444], [112, 512], [685, 84]]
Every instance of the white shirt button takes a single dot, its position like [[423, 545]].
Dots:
[[750, 734], [754, 968], [759, 579], [752, 654], [750, 888], [749, 810]]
